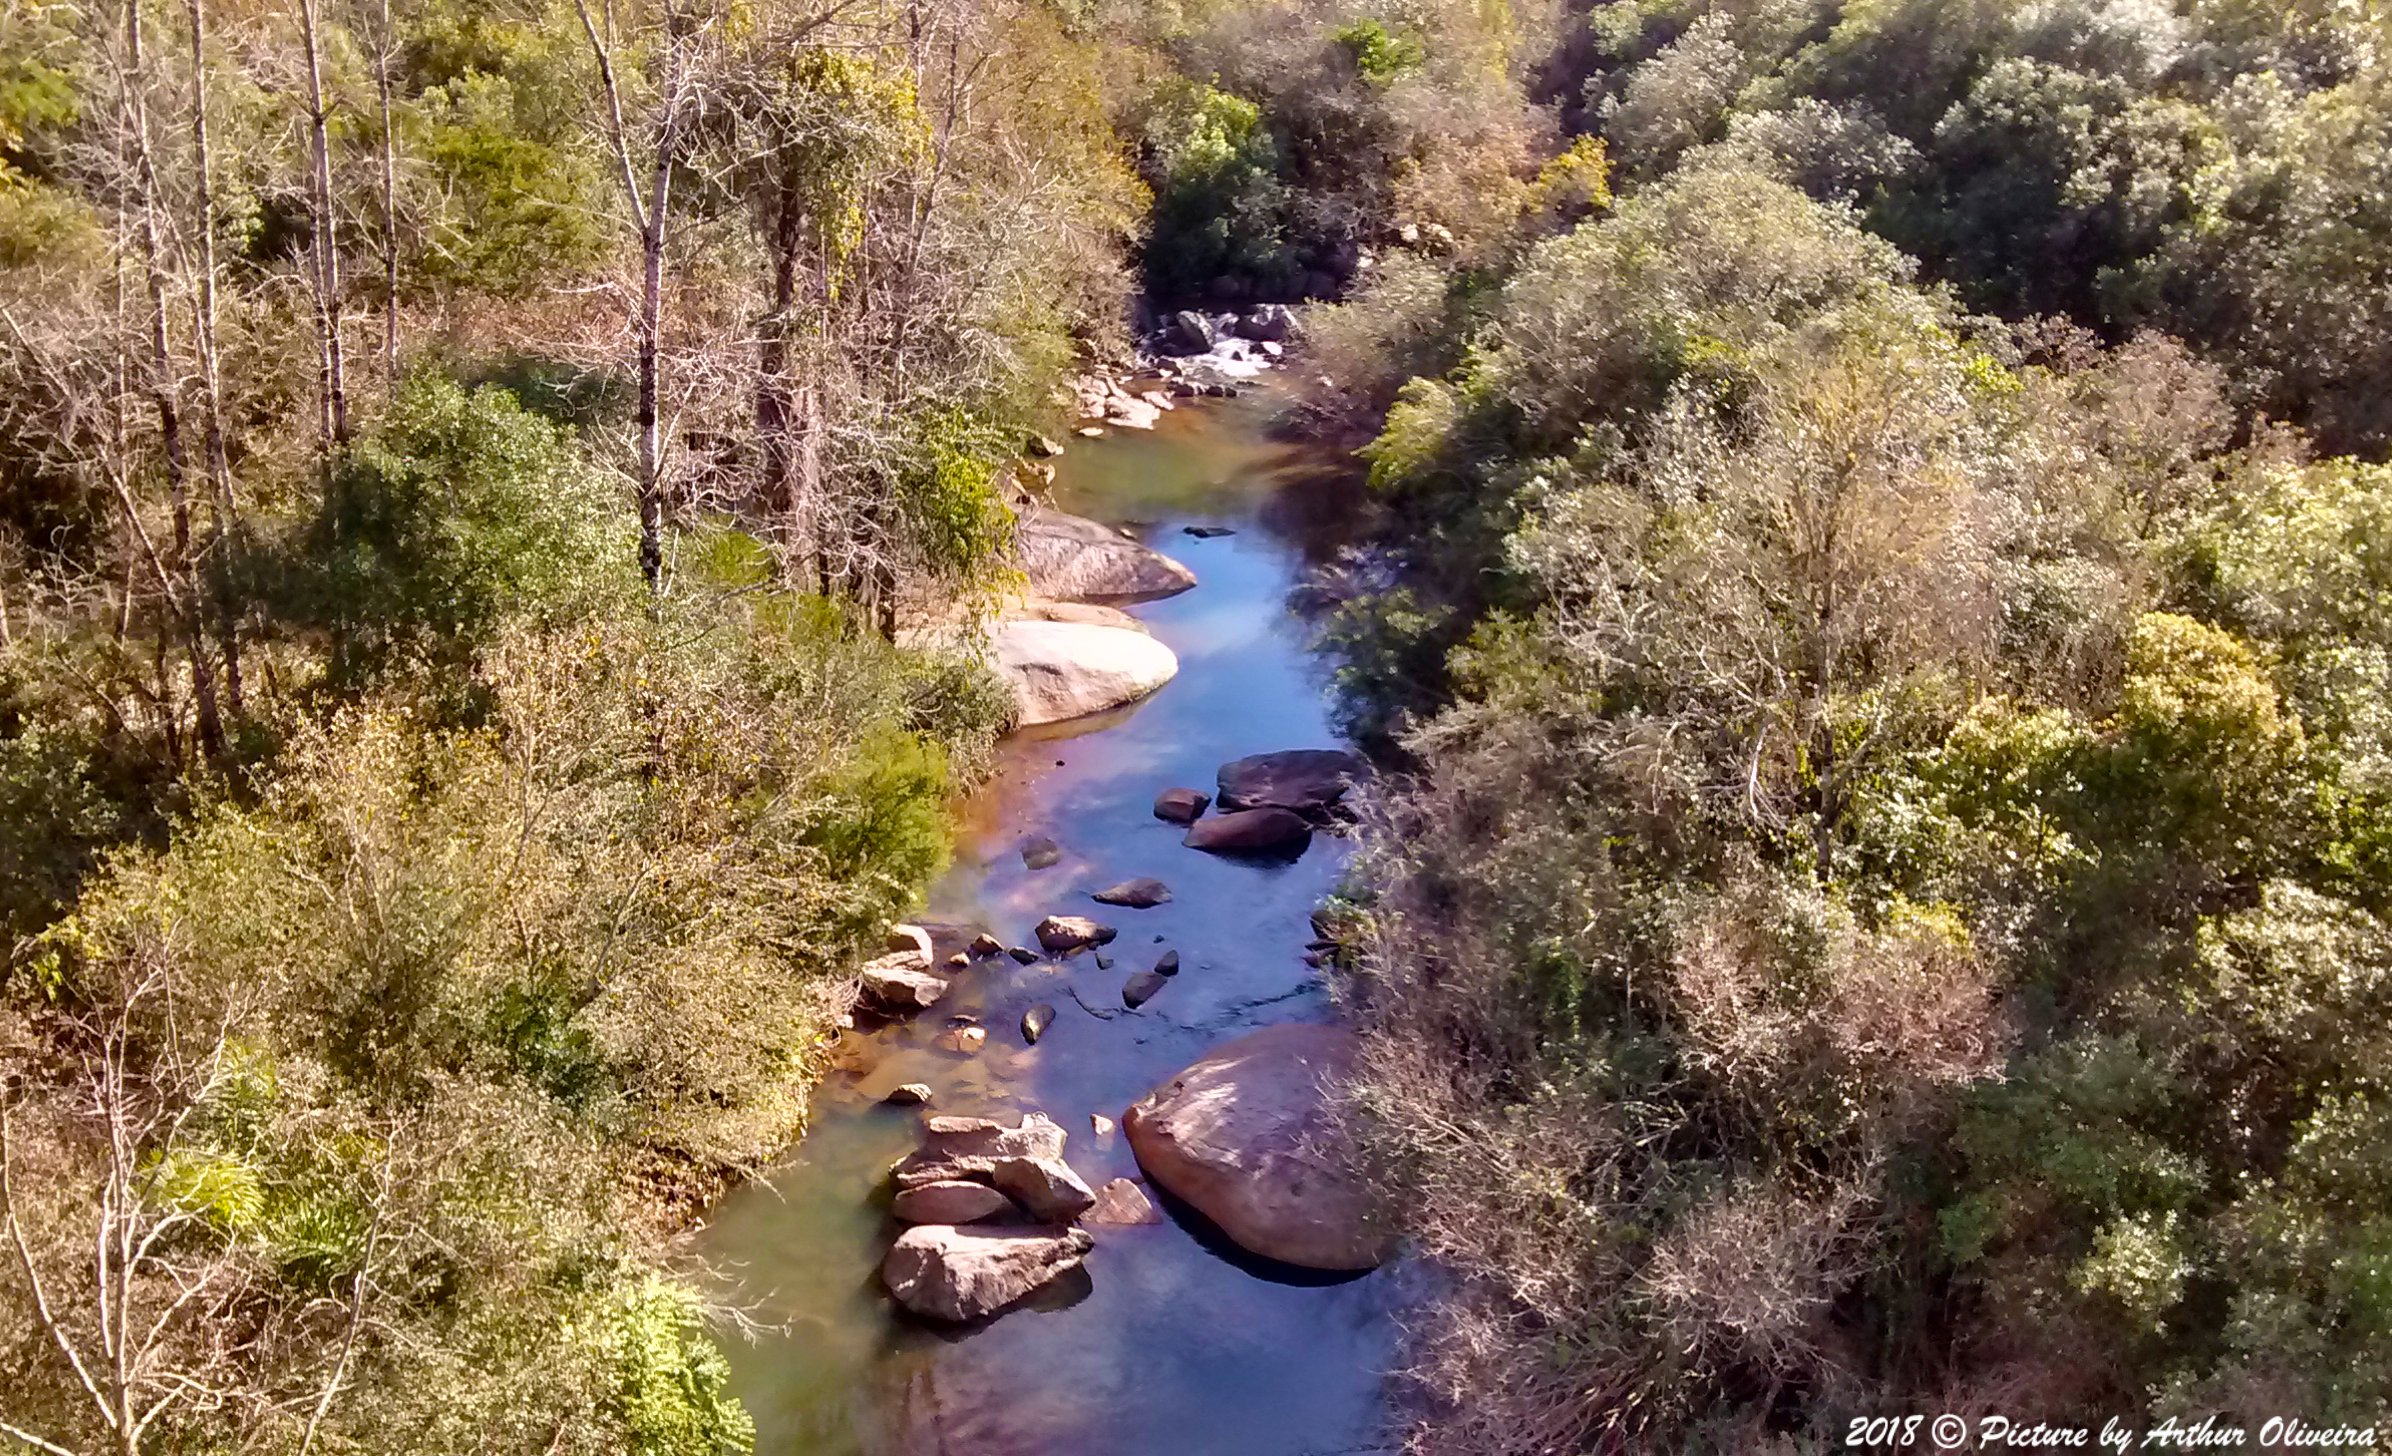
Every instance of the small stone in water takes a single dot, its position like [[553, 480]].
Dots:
[[1035, 1021], [1102, 1124], [985, 944], [1062, 934], [964, 1039], [1140, 989], [1168, 965], [909, 1094], [1138, 894], [1103, 962], [1023, 954]]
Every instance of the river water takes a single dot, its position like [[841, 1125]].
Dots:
[[1169, 1342]]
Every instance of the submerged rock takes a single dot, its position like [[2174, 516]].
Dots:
[[1141, 988], [1039, 852], [909, 1094], [1139, 894], [952, 1273], [1064, 670], [1248, 1137], [1270, 831], [1309, 781], [964, 1040], [1181, 806], [1122, 1202]]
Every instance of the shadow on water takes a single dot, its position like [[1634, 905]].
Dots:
[[1171, 1342]]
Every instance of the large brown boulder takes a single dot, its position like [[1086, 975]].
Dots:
[[1070, 558], [1268, 831], [1309, 781], [1247, 1136], [954, 1273]]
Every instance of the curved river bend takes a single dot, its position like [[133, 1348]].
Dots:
[[1168, 1342]]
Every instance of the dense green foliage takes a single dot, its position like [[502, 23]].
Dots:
[[411, 913], [1889, 912]]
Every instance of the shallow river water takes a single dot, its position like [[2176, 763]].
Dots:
[[1168, 1342]]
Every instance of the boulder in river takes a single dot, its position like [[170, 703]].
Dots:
[[1181, 806], [1248, 1137], [1025, 1161], [1309, 781], [1191, 332], [1138, 894], [1061, 934], [1070, 558], [1095, 614], [947, 1138], [950, 1200], [1272, 322], [901, 981], [1064, 670], [1047, 1187], [1266, 831], [952, 1273], [1122, 1201]]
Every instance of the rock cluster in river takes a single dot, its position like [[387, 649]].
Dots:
[[1268, 804], [992, 1207]]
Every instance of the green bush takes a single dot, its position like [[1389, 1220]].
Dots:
[[460, 512]]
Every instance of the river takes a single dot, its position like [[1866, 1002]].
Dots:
[[1169, 1342]]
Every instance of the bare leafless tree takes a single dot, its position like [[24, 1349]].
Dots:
[[648, 207], [326, 281]]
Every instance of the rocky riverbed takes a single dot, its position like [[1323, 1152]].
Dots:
[[934, 1316]]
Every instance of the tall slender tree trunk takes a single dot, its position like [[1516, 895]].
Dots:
[[649, 341], [786, 485], [650, 209], [384, 42], [183, 595], [227, 520], [334, 420]]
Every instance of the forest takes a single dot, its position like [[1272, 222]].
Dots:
[[1874, 614]]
